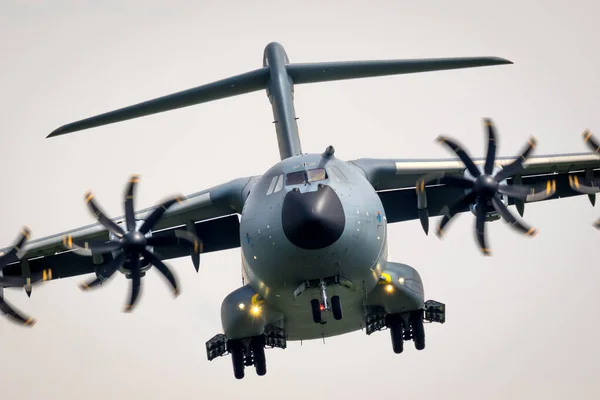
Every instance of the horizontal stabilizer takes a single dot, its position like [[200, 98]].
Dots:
[[333, 71], [240, 84], [259, 79]]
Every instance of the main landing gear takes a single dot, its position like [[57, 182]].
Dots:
[[248, 351], [405, 326], [246, 354], [318, 306]]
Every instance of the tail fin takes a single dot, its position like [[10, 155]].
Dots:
[[278, 77]]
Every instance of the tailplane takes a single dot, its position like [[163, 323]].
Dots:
[[278, 76]]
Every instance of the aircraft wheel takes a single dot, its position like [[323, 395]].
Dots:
[[418, 331], [315, 305], [258, 350], [336, 307], [397, 333], [236, 348]]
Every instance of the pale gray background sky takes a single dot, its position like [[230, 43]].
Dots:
[[522, 324]]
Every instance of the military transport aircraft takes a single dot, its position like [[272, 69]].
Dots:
[[312, 229]]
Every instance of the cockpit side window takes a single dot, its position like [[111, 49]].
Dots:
[[275, 185], [279, 184], [295, 178], [272, 185], [317, 174]]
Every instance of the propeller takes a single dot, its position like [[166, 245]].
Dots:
[[484, 188], [589, 185], [131, 248], [18, 281]]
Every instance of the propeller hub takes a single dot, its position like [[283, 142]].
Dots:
[[134, 240], [486, 185]]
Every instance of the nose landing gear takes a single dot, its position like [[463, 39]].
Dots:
[[318, 307]]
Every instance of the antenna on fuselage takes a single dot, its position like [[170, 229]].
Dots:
[[328, 153], [278, 76]]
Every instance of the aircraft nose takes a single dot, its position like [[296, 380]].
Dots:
[[313, 220]]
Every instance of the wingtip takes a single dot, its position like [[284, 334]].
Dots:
[[56, 132], [64, 129], [501, 60]]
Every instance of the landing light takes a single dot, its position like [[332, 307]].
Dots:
[[401, 280], [242, 306], [389, 288]]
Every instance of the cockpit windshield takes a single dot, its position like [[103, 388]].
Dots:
[[318, 174], [295, 178], [300, 177]]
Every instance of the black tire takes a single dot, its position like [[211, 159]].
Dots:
[[258, 351], [418, 331], [397, 333], [336, 307], [236, 348], [315, 305]]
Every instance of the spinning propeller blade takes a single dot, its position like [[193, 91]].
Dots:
[[484, 189], [589, 185], [18, 281], [132, 248]]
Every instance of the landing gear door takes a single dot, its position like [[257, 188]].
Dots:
[[216, 347], [435, 311]]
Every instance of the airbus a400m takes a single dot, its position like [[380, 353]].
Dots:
[[312, 230]]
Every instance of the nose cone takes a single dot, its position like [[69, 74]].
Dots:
[[313, 220]]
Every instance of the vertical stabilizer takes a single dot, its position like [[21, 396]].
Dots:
[[280, 89]]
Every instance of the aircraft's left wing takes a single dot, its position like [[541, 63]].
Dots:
[[395, 180], [213, 214]]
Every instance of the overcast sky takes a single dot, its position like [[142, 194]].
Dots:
[[520, 325]]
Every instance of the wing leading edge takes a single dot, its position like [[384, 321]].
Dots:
[[213, 213], [395, 179], [486, 185]]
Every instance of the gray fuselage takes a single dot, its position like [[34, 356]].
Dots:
[[301, 224]]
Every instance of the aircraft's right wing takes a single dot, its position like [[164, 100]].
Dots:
[[213, 213], [396, 180]]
